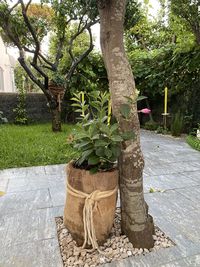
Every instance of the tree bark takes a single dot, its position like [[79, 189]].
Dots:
[[137, 224], [56, 119]]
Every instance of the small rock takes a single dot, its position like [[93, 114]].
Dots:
[[154, 237], [129, 253], [102, 260], [124, 255]]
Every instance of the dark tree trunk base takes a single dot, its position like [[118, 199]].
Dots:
[[142, 239], [56, 120]]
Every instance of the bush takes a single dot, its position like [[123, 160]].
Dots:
[[21, 117], [162, 130], [193, 141], [177, 124], [151, 125]]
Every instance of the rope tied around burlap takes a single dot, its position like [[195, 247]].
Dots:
[[89, 205]]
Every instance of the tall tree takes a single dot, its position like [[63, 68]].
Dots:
[[188, 11], [137, 224], [25, 25]]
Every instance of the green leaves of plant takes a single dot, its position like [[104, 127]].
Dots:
[[93, 160], [141, 97], [98, 143], [125, 110]]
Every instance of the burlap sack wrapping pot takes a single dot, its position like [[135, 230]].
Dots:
[[103, 211]]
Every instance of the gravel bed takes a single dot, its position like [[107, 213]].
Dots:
[[116, 247]]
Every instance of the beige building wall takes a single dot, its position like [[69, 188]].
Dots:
[[7, 64]]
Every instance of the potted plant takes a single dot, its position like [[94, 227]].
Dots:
[[92, 179], [56, 86]]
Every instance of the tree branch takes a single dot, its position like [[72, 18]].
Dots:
[[29, 26], [80, 31], [13, 7], [81, 57]]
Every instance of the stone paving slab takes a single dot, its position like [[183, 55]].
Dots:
[[28, 226], [58, 195], [192, 261], [34, 182], [36, 195], [167, 182], [3, 184], [25, 200], [43, 253]]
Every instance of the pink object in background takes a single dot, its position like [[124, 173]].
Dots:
[[145, 111]]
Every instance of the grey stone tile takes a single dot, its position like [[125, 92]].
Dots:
[[56, 180], [35, 182], [157, 258], [192, 261], [186, 246], [22, 172], [29, 226], [122, 263], [169, 203], [3, 184], [192, 193], [58, 211], [55, 169], [3, 231], [166, 182], [43, 253], [188, 225], [195, 176], [58, 195], [27, 184], [28, 200]]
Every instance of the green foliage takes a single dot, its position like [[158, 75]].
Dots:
[[151, 125], [179, 71], [57, 78], [34, 145], [187, 12], [23, 81], [21, 117], [193, 141], [90, 76], [162, 130], [39, 20], [2, 118], [177, 124], [97, 141]]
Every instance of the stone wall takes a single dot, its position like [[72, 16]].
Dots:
[[36, 106]]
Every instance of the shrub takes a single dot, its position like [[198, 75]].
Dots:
[[97, 140], [162, 130], [20, 111], [177, 124], [151, 125], [193, 141]]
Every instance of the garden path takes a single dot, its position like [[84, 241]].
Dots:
[[35, 196]]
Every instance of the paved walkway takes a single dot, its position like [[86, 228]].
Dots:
[[36, 195]]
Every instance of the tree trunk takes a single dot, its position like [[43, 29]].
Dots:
[[137, 224], [56, 119]]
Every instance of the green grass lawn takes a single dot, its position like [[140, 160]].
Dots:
[[33, 145]]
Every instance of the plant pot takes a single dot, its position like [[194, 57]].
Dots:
[[103, 210]]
